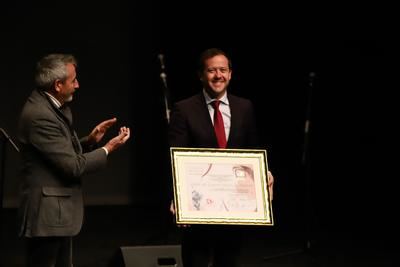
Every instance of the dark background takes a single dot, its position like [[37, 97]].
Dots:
[[351, 49]]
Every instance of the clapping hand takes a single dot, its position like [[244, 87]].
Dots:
[[98, 132], [119, 140]]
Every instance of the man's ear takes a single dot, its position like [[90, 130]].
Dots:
[[57, 85]]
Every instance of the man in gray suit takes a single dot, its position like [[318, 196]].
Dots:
[[54, 162]]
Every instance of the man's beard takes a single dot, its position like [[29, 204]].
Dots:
[[69, 98]]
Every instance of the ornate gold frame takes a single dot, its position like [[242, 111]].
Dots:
[[221, 186]]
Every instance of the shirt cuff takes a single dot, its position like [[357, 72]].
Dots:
[[105, 149]]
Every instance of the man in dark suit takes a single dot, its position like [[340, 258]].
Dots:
[[192, 125], [54, 162]]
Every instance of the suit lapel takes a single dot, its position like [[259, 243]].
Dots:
[[234, 121], [207, 122], [204, 116], [65, 111], [65, 115], [206, 113]]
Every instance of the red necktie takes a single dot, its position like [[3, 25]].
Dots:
[[219, 125]]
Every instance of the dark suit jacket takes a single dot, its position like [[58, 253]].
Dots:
[[53, 163], [191, 124]]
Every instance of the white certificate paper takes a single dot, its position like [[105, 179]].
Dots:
[[221, 186]]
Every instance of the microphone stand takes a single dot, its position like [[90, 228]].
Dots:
[[4, 133], [163, 77], [4, 137], [305, 161], [306, 165], [164, 231]]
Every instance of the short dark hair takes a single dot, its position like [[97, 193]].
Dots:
[[209, 53]]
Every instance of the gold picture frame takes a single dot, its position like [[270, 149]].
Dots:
[[221, 186]]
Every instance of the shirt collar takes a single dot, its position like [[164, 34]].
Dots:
[[54, 100], [223, 99]]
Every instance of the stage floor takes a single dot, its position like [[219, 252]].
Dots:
[[107, 228]]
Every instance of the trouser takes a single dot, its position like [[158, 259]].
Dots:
[[49, 252]]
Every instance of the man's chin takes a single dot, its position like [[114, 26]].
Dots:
[[218, 90]]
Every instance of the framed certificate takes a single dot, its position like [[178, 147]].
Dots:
[[221, 186]]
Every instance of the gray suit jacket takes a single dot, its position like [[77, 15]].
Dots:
[[53, 163]]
